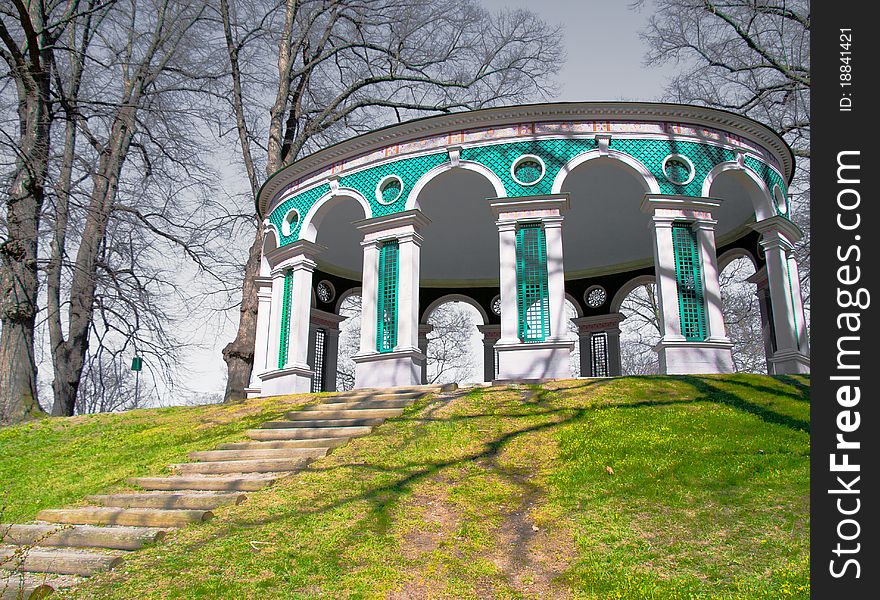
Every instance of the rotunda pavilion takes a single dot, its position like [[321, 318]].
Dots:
[[517, 210]]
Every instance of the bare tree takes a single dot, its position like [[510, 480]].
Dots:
[[347, 66], [742, 317], [640, 332], [349, 341], [747, 56], [450, 357], [142, 65], [28, 31]]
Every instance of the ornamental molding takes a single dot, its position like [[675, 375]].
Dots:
[[526, 116], [599, 323]]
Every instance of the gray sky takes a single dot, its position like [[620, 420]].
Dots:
[[604, 63], [605, 53]]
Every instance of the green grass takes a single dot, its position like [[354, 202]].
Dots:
[[506, 493], [56, 462]]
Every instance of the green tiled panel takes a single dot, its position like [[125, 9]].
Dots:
[[386, 309], [688, 276], [285, 320], [532, 297]]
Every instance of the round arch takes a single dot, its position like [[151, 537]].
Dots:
[[270, 243], [577, 305], [761, 201], [731, 255], [355, 291], [628, 287], [312, 221], [648, 179], [453, 298], [494, 180]]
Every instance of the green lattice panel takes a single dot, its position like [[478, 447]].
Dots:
[[386, 309], [771, 178], [688, 276], [408, 169], [285, 320], [532, 297], [554, 152], [302, 203]]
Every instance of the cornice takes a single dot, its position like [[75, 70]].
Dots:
[[510, 115]]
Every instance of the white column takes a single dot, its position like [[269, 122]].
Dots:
[[705, 230], [762, 292], [547, 359], [403, 365], [507, 276], [295, 376], [555, 277], [261, 345], [797, 298], [275, 324], [667, 286], [369, 301], [677, 354], [778, 236], [408, 292]]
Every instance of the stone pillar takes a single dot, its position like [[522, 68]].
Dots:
[[677, 354], [424, 330], [403, 365], [595, 325], [491, 335], [762, 292], [792, 353], [295, 375], [261, 346], [329, 324], [547, 359]]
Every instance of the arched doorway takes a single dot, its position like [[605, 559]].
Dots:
[[453, 344]]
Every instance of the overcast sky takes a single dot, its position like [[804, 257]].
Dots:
[[605, 57]]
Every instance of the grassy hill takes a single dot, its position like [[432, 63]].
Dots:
[[653, 487]]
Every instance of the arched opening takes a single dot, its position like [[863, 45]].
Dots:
[[349, 306], [742, 200], [742, 314], [640, 330], [455, 351], [451, 241], [331, 225], [604, 224]]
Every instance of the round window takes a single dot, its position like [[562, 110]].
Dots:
[[678, 169], [288, 225], [595, 296], [325, 292], [389, 190], [528, 169], [779, 198], [496, 305]]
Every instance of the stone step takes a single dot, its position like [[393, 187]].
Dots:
[[18, 586], [358, 413], [322, 423], [264, 465], [300, 433], [358, 405], [327, 443], [193, 501], [80, 536], [245, 454], [137, 517], [372, 397], [60, 562], [241, 483]]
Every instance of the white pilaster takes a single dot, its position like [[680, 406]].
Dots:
[[295, 376], [677, 354], [778, 236], [548, 359], [261, 345], [402, 366]]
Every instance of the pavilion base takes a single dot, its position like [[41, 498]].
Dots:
[[683, 357], [518, 361], [788, 362], [253, 392], [292, 379], [388, 369]]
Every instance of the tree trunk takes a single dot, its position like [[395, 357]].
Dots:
[[239, 353], [18, 256]]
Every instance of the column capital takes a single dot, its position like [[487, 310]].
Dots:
[[759, 278], [776, 227], [327, 320], [598, 323], [529, 207], [675, 207], [286, 256], [394, 225], [425, 329]]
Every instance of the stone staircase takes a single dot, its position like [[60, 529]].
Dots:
[[66, 545]]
